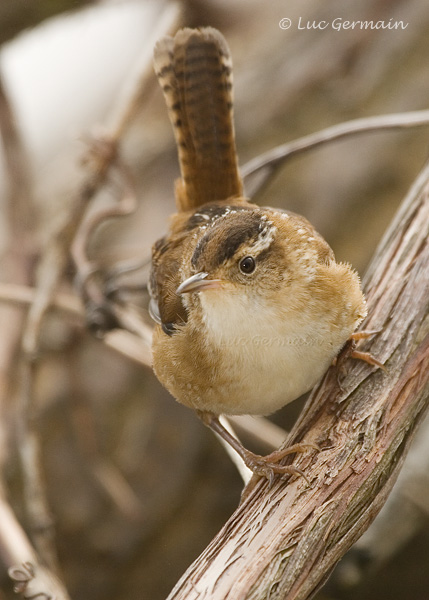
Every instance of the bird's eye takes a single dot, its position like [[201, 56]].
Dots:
[[247, 265]]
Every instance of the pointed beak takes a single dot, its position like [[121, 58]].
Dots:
[[198, 283]]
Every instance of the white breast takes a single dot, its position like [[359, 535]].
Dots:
[[276, 360]]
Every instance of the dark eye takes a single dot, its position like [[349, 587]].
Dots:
[[247, 265]]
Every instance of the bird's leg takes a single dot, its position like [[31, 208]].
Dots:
[[265, 466]]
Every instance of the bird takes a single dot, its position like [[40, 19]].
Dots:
[[250, 305]]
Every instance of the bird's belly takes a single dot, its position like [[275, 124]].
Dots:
[[262, 379], [255, 374]]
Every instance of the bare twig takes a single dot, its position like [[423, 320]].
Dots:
[[284, 541], [21, 249], [20, 205], [131, 345], [117, 489], [31, 579], [36, 503], [126, 205], [135, 346], [55, 257], [15, 263], [50, 270], [259, 171], [13, 293], [90, 278], [18, 258], [131, 96]]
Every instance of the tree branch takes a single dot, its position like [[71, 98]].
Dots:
[[283, 542], [17, 260], [259, 171]]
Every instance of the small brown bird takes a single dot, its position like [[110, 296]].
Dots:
[[250, 303]]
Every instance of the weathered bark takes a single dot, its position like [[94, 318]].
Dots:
[[283, 542]]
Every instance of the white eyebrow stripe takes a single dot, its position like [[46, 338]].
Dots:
[[265, 238]]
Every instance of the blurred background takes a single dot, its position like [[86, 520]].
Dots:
[[136, 485]]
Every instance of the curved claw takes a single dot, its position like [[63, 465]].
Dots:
[[264, 467], [277, 455], [368, 358]]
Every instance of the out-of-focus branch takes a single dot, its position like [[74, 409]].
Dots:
[[30, 578], [50, 270], [14, 263], [15, 294], [40, 521], [56, 255], [20, 256], [20, 204], [261, 430], [17, 263], [259, 171], [283, 542], [90, 278], [134, 343]]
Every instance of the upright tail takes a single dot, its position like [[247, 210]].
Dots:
[[195, 72]]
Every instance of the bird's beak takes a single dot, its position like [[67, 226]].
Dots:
[[198, 283]]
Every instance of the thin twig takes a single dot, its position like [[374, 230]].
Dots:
[[55, 257], [31, 579], [13, 293], [133, 341], [20, 206], [15, 264], [265, 166], [50, 271], [123, 207], [21, 252], [117, 489], [22, 225], [132, 93], [90, 278], [39, 517]]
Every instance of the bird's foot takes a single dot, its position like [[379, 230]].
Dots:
[[264, 466], [268, 467], [349, 350]]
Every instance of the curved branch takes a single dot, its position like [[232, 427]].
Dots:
[[259, 171], [283, 542]]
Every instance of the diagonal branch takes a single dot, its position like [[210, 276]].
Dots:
[[283, 542]]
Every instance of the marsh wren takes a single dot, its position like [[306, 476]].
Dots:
[[250, 304]]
